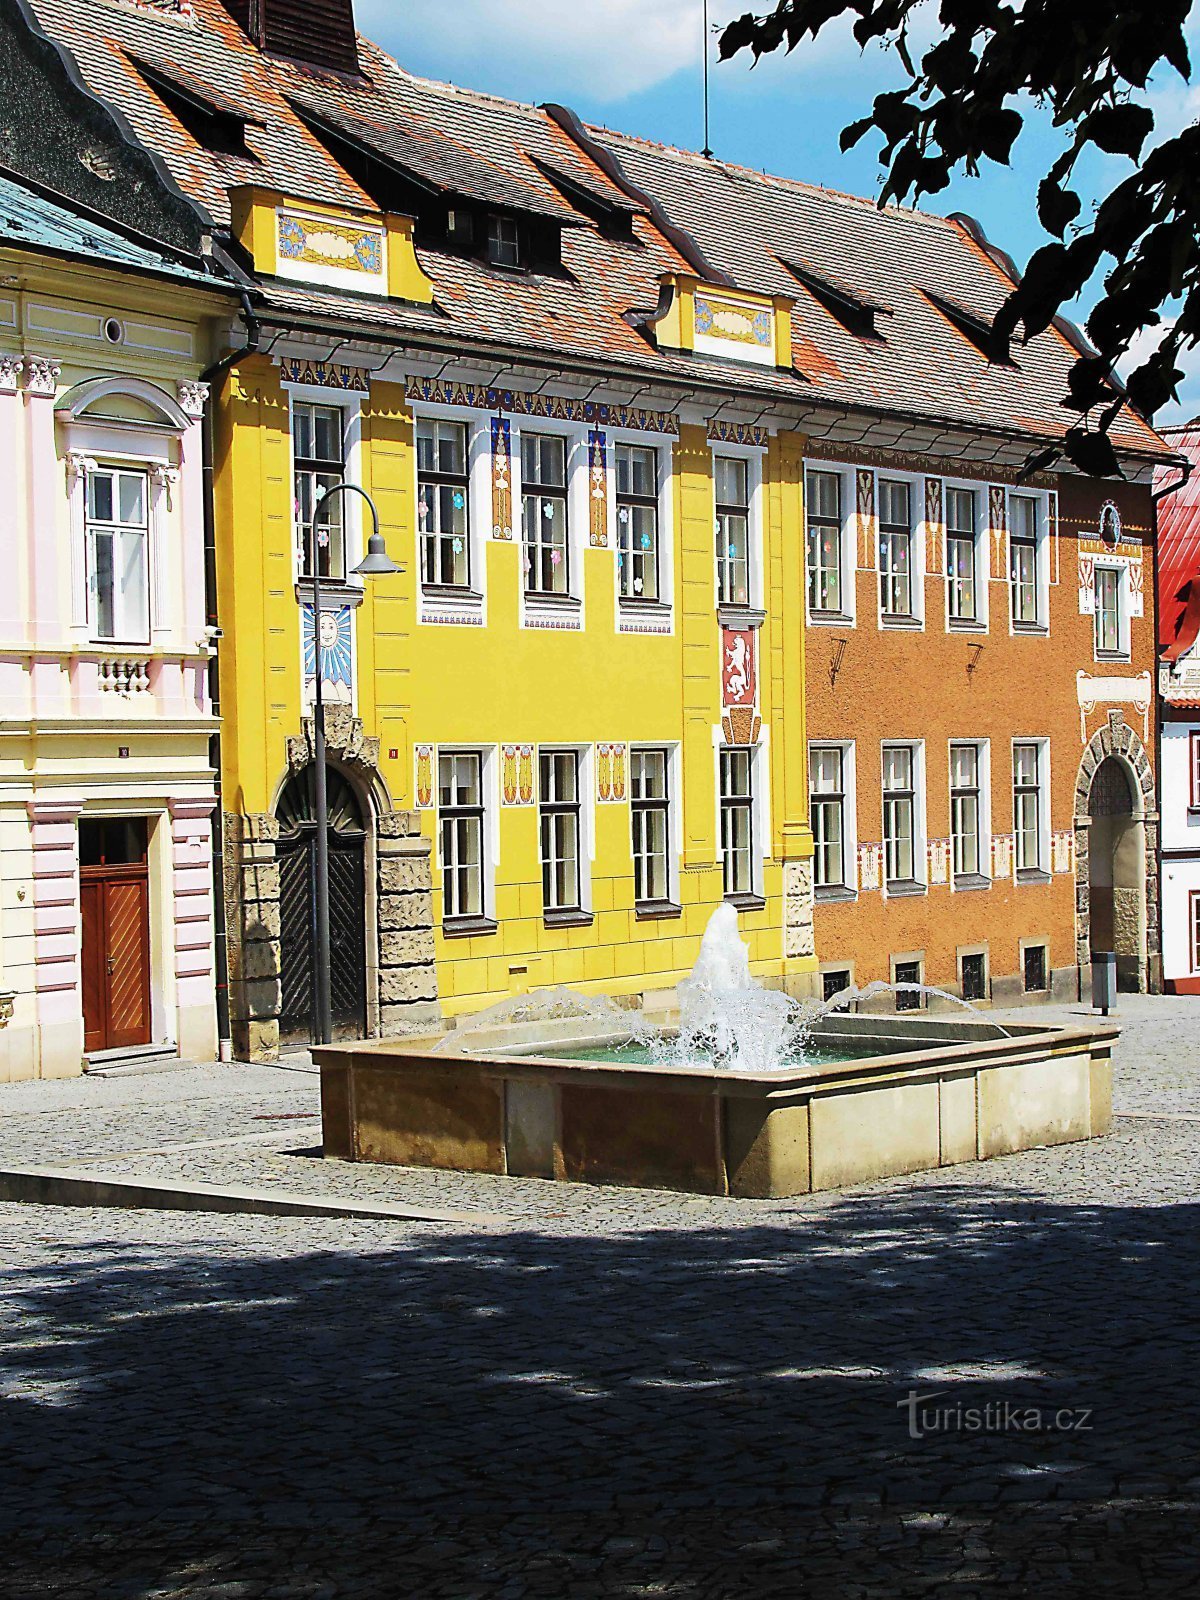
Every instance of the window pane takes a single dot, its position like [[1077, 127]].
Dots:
[[1022, 516], [134, 606], [637, 470], [897, 767], [824, 495], [132, 498], [732, 481], [894, 503], [100, 496], [103, 586], [960, 511]]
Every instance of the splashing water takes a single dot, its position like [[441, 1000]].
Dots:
[[728, 1020]]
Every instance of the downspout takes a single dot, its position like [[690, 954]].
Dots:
[[1186, 467], [213, 375]]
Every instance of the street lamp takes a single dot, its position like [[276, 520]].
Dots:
[[376, 563]]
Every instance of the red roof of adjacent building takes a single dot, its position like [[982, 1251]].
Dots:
[[1179, 546]]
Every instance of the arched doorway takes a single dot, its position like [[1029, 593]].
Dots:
[[296, 851], [1117, 872]]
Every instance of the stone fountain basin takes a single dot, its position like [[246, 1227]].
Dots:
[[923, 1093]]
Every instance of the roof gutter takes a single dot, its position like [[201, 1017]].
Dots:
[[725, 386], [608, 163], [1186, 467]]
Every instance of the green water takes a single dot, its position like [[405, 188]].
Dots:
[[640, 1055]]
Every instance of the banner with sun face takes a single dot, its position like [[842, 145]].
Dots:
[[337, 655]]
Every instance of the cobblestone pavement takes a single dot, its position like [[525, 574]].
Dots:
[[611, 1393]]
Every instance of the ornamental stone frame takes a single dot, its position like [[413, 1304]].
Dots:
[[401, 973], [1119, 740]]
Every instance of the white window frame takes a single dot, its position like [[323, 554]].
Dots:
[[586, 777], [140, 635], [915, 621], [490, 797], [630, 611], [470, 605], [983, 569], [573, 603], [849, 547], [920, 833], [674, 771], [760, 809], [849, 884], [354, 508], [1124, 618], [983, 756], [1043, 869], [1041, 563], [753, 456]]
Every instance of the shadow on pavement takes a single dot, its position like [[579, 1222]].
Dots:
[[714, 1412]]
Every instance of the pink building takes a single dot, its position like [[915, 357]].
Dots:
[[106, 724]]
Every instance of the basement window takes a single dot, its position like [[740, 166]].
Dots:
[[975, 329], [215, 123], [851, 308]]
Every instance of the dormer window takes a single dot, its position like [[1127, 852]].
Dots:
[[850, 308], [460, 227], [975, 329], [215, 123], [503, 241]]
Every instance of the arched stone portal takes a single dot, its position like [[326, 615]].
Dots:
[[1116, 844], [400, 976]]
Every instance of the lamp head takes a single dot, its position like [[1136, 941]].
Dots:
[[376, 563]]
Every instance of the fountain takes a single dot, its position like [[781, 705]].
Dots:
[[749, 1092]]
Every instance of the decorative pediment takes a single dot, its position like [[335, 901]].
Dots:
[[734, 324]]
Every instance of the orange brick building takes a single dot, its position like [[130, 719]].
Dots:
[[985, 720]]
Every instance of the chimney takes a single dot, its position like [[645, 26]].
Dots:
[[318, 33]]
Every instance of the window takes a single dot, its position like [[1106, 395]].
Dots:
[[637, 522], [973, 970], [544, 513], [824, 501], [965, 811], [558, 780], [1109, 620], [1194, 769], [737, 821], [650, 812], [834, 983], [961, 555], [1027, 806], [1022, 560], [318, 461], [899, 814], [827, 812], [1194, 926], [732, 482], [1034, 961], [908, 972], [117, 533], [442, 503], [895, 549], [460, 819], [503, 241]]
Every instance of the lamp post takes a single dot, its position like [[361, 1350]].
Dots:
[[376, 563]]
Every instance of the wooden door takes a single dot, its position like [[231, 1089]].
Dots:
[[115, 905]]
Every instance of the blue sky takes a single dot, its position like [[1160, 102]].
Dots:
[[636, 64]]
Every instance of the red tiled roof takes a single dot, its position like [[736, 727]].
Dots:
[[1179, 546], [746, 224]]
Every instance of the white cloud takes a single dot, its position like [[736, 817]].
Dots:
[[610, 49], [1147, 341], [605, 50]]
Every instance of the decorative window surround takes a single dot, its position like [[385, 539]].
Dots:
[[849, 511], [635, 615], [565, 613], [751, 613], [448, 607]]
